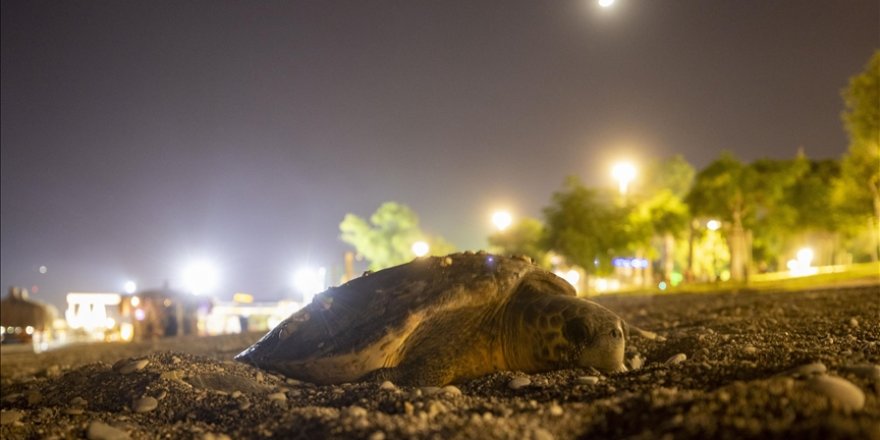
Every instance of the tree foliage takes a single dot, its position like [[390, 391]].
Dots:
[[522, 238], [585, 227], [859, 189], [387, 239]]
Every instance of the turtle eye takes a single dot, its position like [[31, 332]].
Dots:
[[576, 331]]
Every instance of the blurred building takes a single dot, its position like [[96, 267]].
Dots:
[[23, 320], [153, 314]]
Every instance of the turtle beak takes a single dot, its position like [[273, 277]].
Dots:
[[259, 353]]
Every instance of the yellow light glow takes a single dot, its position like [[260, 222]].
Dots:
[[243, 298], [126, 331], [606, 3], [624, 173], [420, 248], [135, 301], [502, 219], [713, 225]]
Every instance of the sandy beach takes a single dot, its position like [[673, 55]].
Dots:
[[733, 365]]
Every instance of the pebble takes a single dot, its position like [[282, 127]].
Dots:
[[378, 435], [808, 369], [430, 391], [451, 390], [280, 396], [78, 401], [102, 431], [235, 394], [11, 416], [556, 410], [519, 382], [677, 359], [588, 380], [542, 434], [853, 322], [865, 371], [636, 362], [73, 411], [244, 404], [132, 366], [212, 436], [355, 411], [387, 386], [144, 404], [750, 349], [841, 390]]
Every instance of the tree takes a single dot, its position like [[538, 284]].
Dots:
[[585, 227], [858, 190], [521, 238], [387, 239], [661, 211], [725, 190]]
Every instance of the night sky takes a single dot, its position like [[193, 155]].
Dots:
[[138, 135]]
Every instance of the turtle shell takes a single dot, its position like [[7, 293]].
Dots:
[[363, 325]]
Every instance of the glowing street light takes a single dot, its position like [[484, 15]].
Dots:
[[310, 282], [420, 248], [502, 220], [200, 277], [624, 173], [129, 287]]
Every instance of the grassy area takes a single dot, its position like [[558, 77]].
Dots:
[[829, 276]]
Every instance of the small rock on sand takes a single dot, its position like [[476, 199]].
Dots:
[[677, 359], [587, 380], [807, 369], [519, 382], [841, 390], [102, 431], [131, 366], [144, 404]]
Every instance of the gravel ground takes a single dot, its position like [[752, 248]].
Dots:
[[747, 365]]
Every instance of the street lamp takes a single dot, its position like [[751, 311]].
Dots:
[[502, 220], [129, 287], [309, 282], [624, 173], [420, 248], [200, 277]]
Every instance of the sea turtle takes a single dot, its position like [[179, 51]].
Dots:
[[439, 320]]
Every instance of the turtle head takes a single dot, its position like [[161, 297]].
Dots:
[[548, 329]]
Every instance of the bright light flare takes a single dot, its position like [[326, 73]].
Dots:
[[624, 173], [200, 277], [420, 248], [803, 264], [713, 225], [606, 3], [310, 282], [130, 287], [805, 256], [502, 220]]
